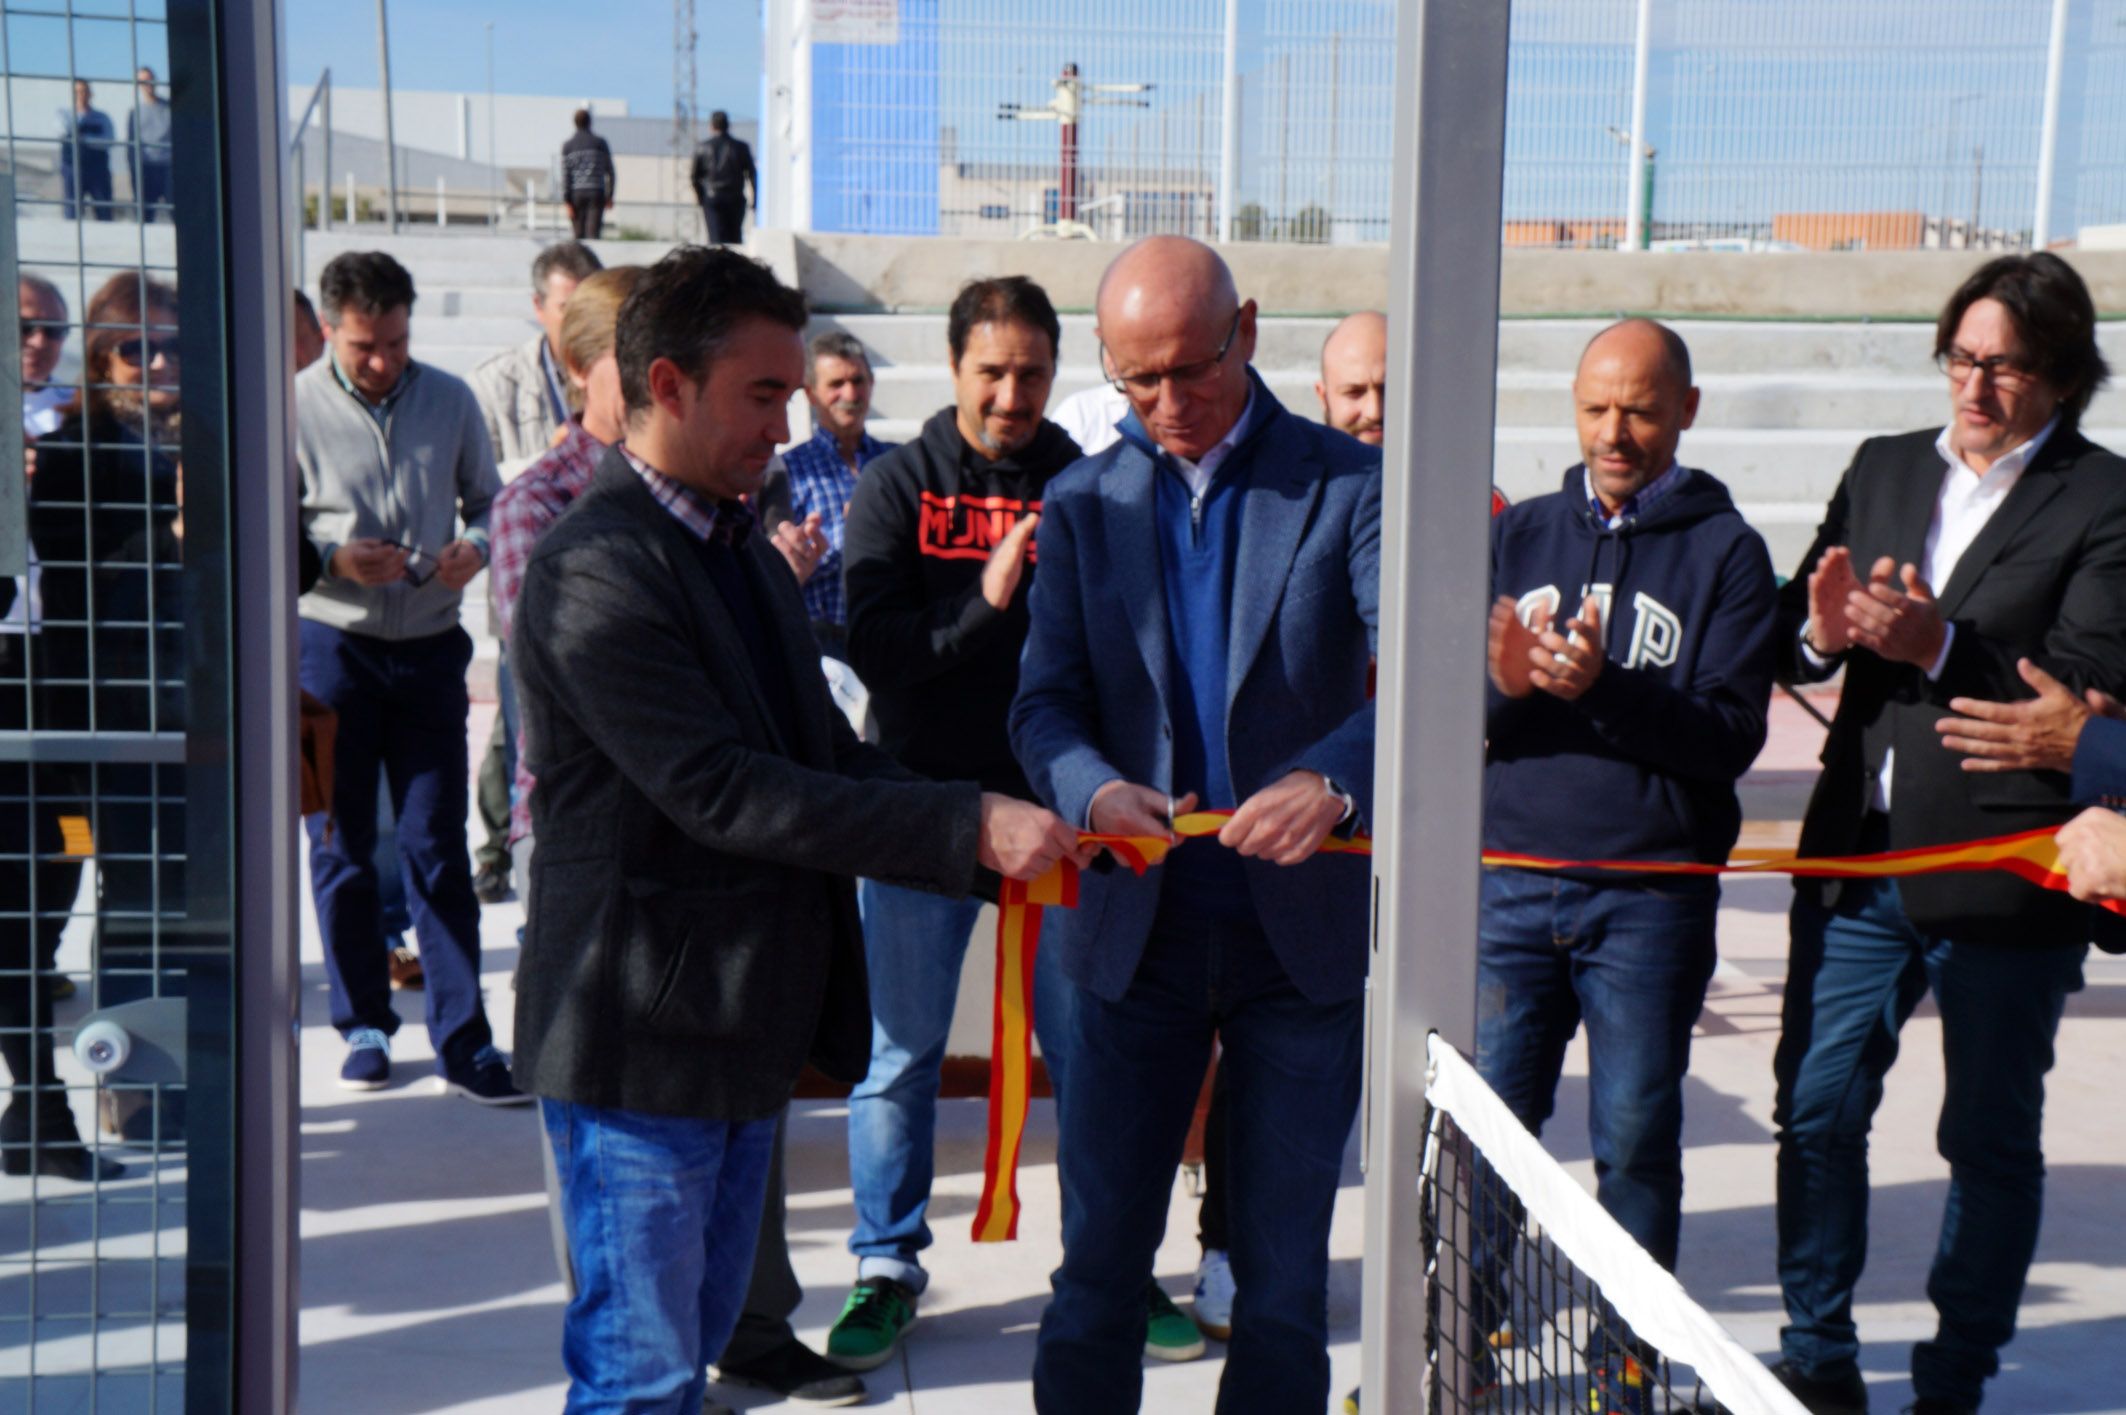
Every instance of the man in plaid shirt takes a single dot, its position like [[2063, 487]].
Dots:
[[820, 474]]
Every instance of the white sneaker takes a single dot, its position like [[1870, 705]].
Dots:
[[1214, 1294]]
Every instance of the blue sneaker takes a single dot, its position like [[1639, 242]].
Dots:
[[368, 1063], [485, 1081]]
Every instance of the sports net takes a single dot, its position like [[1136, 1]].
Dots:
[[1538, 1300]]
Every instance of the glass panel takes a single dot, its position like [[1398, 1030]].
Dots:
[[115, 926]]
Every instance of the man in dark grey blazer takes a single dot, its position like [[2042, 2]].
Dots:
[[701, 811], [1946, 558]]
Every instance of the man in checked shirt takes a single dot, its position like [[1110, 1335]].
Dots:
[[818, 476]]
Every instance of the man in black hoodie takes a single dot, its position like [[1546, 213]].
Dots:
[[1631, 663], [938, 556]]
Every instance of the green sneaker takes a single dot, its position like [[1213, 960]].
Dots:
[[1168, 1334], [870, 1326]]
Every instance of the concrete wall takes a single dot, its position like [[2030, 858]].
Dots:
[[856, 273]]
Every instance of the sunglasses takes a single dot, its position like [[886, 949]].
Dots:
[[34, 328], [141, 352]]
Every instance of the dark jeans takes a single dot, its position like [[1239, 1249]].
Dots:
[[402, 710], [772, 1292], [1136, 1067], [154, 190], [37, 889], [498, 777], [88, 193], [1854, 976], [726, 218], [661, 1212], [1631, 960], [586, 214], [1213, 1227]]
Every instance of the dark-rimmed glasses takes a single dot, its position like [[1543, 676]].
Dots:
[[1145, 386], [141, 352], [2009, 375]]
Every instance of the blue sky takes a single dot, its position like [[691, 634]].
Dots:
[[616, 48]]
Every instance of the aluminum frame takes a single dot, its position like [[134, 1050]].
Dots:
[[1443, 264]]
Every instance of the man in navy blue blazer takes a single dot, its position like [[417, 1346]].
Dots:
[[1202, 626]]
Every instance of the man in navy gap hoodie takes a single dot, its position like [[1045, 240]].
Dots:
[[1631, 663]]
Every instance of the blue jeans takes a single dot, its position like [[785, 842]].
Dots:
[[662, 1212], [1631, 960], [914, 944], [1136, 1068], [1853, 977], [402, 710]]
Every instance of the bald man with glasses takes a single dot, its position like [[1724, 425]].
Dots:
[[1201, 631]]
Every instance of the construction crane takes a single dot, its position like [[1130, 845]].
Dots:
[[1073, 95]]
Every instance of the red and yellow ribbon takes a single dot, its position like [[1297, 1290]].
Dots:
[[2031, 855]]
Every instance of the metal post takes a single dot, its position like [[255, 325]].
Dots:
[[1636, 235], [391, 145], [324, 171], [493, 185], [1443, 264], [350, 200], [1229, 124], [442, 197], [2049, 142], [252, 383]]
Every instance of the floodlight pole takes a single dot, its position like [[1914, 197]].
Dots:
[[1443, 265], [1229, 124], [1637, 203], [2049, 139], [391, 146]]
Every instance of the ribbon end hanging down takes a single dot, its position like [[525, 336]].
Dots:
[[1019, 906]]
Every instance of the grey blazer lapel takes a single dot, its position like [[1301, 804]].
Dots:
[[1130, 516], [726, 656], [1284, 487], [785, 610]]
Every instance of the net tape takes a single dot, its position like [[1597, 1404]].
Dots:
[[1642, 1294]]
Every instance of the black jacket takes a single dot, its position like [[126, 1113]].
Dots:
[[2046, 579], [587, 165], [101, 517], [942, 664], [693, 937], [723, 165]]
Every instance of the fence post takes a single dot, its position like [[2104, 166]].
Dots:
[[1443, 279], [442, 216], [1229, 125], [2049, 144], [350, 199], [324, 169], [1636, 234]]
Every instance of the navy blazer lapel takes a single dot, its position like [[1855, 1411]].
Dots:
[[2038, 484], [726, 654], [1284, 487], [1129, 506]]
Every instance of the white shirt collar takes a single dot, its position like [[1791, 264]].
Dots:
[[2009, 465], [1198, 474]]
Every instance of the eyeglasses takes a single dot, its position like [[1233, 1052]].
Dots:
[[42, 329], [2007, 374], [141, 352], [1145, 386]]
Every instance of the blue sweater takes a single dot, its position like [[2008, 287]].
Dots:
[[1643, 765], [1198, 549]]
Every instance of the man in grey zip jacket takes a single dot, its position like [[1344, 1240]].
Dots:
[[397, 477]]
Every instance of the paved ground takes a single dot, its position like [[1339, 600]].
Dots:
[[428, 1281]]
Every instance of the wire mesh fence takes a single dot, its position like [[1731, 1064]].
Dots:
[[1537, 1300], [1810, 125]]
